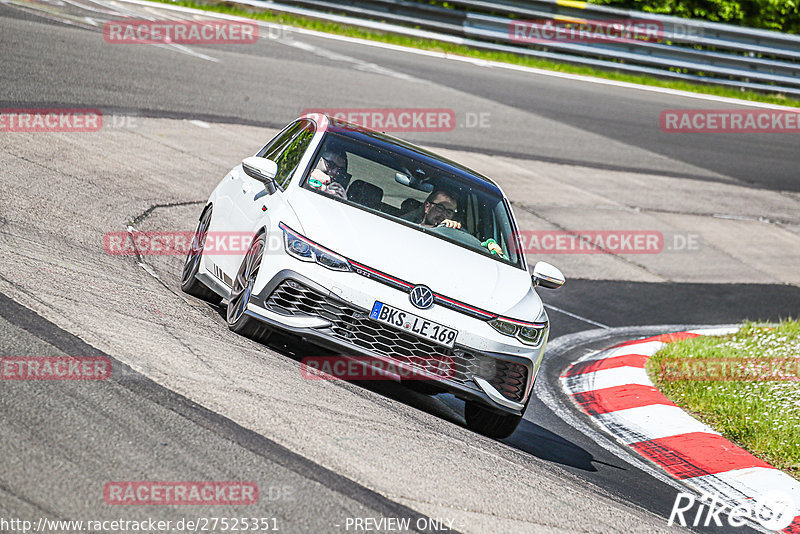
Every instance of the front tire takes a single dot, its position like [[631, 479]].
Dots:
[[189, 282], [238, 320], [489, 423]]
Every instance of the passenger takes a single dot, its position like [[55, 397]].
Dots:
[[438, 210], [331, 175]]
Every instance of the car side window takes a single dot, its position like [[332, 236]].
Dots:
[[292, 152], [277, 143], [287, 148]]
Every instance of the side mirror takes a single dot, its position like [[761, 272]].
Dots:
[[547, 276], [263, 170]]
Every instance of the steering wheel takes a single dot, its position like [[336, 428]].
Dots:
[[457, 234]]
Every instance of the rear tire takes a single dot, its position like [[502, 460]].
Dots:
[[189, 282], [491, 424], [238, 321]]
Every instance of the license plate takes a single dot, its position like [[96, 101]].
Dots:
[[414, 324]]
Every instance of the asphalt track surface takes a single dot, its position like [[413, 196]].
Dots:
[[188, 400], [269, 84]]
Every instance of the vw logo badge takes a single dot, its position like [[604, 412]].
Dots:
[[421, 297]]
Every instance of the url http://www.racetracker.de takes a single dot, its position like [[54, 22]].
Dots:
[[199, 524]]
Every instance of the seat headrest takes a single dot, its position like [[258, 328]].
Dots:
[[365, 193], [409, 205]]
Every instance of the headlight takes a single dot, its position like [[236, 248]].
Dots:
[[304, 249], [528, 333]]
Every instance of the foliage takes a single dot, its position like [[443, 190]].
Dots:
[[779, 15]]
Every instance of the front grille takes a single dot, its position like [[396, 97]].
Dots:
[[353, 325]]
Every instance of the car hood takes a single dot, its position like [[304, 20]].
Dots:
[[414, 256]]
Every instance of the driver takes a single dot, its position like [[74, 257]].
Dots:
[[439, 210], [331, 175]]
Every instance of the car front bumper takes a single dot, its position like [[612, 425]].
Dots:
[[492, 372]]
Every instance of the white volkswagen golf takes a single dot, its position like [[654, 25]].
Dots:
[[386, 253]]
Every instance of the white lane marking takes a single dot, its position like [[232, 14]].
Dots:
[[113, 8], [737, 486], [73, 21], [650, 422], [88, 7], [543, 72], [327, 54], [648, 348], [760, 480], [490, 64], [593, 355], [566, 410], [606, 378], [127, 11], [722, 331], [201, 124], [358, 64], [578, 317], [186, 50], [40, 12]]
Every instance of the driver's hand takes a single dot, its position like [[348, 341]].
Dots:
[[332, 188], [494, 247], [450, 224], [321, 177], [336, 189]]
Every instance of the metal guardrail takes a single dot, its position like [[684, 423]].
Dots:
[[686, 49]]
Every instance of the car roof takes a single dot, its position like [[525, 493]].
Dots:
[[388, 142]]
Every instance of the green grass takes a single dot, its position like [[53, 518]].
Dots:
[[440, 46], [762, 416]]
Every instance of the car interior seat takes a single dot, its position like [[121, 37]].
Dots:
[[409, 205], [366, 194]]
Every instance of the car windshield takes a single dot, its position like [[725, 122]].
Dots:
[[416, 192]]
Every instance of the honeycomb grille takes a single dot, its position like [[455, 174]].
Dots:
[[352, 325]]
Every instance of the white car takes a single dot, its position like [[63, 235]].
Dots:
[[386, 253]]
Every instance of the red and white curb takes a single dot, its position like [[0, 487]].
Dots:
[[613, 388]]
